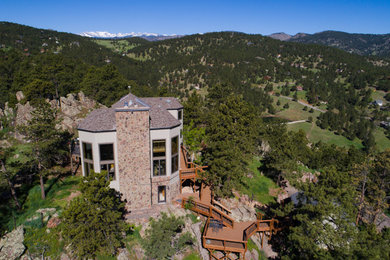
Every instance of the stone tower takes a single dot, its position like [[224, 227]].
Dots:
[[133, 145]]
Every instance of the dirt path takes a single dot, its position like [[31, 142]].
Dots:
[[295, 122]]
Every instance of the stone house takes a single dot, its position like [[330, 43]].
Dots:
[[137, 141]]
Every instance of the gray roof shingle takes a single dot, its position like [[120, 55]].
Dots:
[[101, 120]]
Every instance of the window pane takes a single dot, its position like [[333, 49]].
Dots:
[[162, 194], [158, 148], [159, 167], [180, 114], [175, 145], [106, 152], [88, 168], [175, 163], [110, 169], [162, 168], [156, 165], [87, 151]]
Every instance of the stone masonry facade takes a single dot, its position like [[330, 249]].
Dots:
[[172, 184], [133, 135]]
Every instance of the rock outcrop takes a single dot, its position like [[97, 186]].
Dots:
[[11, 245], [72, 109]]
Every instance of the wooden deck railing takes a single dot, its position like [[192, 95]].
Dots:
[[208, 211], [220, 206], [223, 244], [249, 231]]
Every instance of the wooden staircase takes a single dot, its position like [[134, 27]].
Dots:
[[188, 170], [221, 233]]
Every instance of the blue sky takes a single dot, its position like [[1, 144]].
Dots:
[[187, 17]]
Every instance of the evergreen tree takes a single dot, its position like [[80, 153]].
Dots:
[[9, 170], [194, 110], [161, 240], [230, 141], [94, 222], [49, 145], [325, 219]]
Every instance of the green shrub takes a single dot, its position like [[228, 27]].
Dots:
[[161, 240], [190, 203], [192, 256], [41, 244], [193, 217], [94, 222]]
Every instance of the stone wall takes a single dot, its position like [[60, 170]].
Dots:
[[172, 188], [132, 131]]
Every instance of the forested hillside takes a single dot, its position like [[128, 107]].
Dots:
[[253, 65], [241, 95], [33, 41], [358, 43]]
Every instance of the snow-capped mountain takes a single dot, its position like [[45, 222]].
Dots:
[[121, 35]]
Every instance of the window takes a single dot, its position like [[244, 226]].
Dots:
[[162, 194], [106, 152], [107, 160], [88, 158], [175, 154], [158, 148], [88, 168], [110, 169], [159, 158], [180, 114], [87, 151]]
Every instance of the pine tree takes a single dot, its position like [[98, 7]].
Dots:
[[94, 222], [49, 145], [230, 140], [161, 240]]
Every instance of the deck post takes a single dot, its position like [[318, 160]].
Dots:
[[262, 239]]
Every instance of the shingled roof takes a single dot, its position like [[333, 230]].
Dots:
[[103, 120]]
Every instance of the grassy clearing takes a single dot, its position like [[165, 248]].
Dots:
[[259, 186], [57, 192], [316, 134], [378, 94], [382, 142], [294, 112], [121, 46]]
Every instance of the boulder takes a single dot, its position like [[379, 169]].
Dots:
[[196, 231], [23, 113], [65, 257], [123, 254], [68, 123], [85, 101], [11, 245], [19, 96], [138, 252], [243, 213], [70, 106], [53, 222]]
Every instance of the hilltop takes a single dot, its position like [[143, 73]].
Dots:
[[255, 66], [358, 43]]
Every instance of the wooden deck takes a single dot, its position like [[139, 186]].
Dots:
[[221, 232], [225, 238], [188, 170]]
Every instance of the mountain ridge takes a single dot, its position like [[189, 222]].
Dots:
[[144, 35], [358, 43]]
